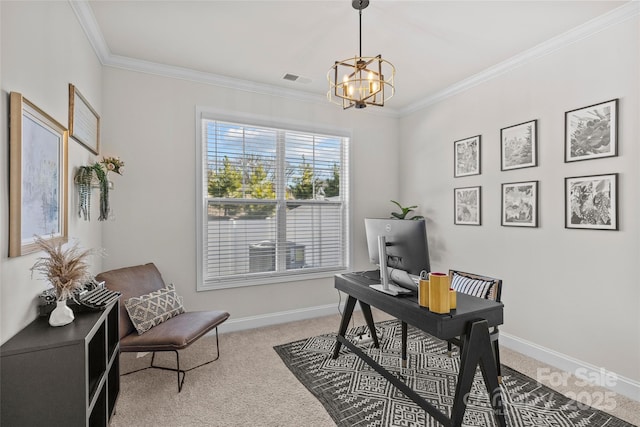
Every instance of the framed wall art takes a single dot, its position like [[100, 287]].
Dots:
[[467, 206], [84, 122], [591, 132], [591, 202], [466, 157], [37, 177], [520, 204], [519, 146]]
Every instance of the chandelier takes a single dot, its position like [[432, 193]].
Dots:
[[360, 81]]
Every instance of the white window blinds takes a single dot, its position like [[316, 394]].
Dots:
[[275, 204]]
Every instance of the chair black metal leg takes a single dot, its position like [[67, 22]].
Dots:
[[177, 368], [449, 348]]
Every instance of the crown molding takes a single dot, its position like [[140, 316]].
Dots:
[[589, 28], [90, 27], [92, 30]]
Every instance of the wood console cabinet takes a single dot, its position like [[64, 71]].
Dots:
[[62, 376]]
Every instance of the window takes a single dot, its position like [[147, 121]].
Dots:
[[274, 205]]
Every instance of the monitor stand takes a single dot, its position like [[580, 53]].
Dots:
[[386, 286]]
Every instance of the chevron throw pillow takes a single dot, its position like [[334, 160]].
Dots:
[[147, 311]]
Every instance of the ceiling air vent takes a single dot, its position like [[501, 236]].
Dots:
[[290, 77], [293, 78]]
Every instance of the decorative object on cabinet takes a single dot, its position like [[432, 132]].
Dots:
[[84, 122], [519, 146], [591, 132], [62, 376], [466, 206], [96, 175], [520, 204], [591, 202], [67, 270], [37, 177], [404, 211], [466, 156]]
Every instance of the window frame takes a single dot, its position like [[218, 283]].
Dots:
[[202, 199]]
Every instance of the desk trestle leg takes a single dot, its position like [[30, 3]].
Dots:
[[477, 350]]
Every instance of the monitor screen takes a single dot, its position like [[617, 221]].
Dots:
[[406, 244]]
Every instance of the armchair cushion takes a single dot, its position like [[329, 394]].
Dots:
[[175, 334], [468, 284], [149, 310]]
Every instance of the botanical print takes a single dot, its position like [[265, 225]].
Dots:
[[467, 157], [591, 132], [519, 204], [518, 146], [592, 202], [41, 181], [467, 206]]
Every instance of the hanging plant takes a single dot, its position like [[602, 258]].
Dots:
[[87, 177]]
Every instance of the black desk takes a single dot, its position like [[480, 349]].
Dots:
[[470, 321]]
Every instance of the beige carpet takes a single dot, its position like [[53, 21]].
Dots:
[[250, 386]]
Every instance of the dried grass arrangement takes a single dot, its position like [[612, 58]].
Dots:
[[66, 269]]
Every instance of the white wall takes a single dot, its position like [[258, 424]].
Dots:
[[151, 125], [571, 291], [43, 50]]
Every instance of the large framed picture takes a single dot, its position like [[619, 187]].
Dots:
[[591, 132], [467, 206], [84, 122], [519, 146], [466, 157], [591, 202], [37, 177], [520, 204]]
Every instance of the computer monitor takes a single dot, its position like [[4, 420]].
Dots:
[[405, 246]]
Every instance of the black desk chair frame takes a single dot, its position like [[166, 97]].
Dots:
[[495, 294]]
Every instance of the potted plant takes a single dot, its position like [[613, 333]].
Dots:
[[96, 175], [66, 269], [404, 211]]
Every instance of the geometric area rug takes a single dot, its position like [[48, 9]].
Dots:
[[355, 395]]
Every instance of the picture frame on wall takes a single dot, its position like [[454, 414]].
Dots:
[[466, 156], [591, 202], [519, 146], [591, 132], [520, 204], [467, 206], [84, 121], [38, 153]]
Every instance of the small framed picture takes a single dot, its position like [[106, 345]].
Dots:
[[466, 157], [84, 121], [591, 132], [519, 146], [591, 202], [520, 204], [467, 206]]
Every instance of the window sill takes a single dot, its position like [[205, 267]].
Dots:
[[255, 281]]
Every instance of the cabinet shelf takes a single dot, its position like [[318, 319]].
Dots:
[[65, 375]]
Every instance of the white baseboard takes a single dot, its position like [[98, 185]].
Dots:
[[268, 319], [582, 370]]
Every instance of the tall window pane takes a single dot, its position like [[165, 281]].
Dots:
[[275, 201]]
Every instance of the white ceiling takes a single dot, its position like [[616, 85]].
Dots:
[[433, 44]]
